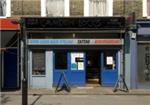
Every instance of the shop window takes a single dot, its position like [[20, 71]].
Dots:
[[110, 60], [60, 60], [144, 63], [55, 8], [38, 62], [25, 7], [76, 7]]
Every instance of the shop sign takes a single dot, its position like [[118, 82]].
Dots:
[[75, 42]]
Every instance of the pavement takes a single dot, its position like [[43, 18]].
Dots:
[[77, 100], [88, 90], [88, 95]]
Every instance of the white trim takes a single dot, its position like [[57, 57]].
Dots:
[[86, 7], [67, 7], [145, 8], [43, 8], [8, 9], [109, 7]]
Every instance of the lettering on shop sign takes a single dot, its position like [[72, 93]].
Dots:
[[84, 41]]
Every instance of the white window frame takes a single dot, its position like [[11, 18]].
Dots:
[[8, 9], [145, 14], [66, 8], [109, 5]]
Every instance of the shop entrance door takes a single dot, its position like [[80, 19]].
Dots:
[[93, 67], [109, 67]]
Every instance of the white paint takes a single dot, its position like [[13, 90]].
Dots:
[[110, 7], [86, 7], [49, 69], [67, 6], [43, 8], [145, 8]]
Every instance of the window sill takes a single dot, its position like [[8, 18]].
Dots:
[[38, 75]]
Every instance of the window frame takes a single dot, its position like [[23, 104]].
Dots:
[[36, 75], [145, 7], [66, 8], [8, 9], [109, 5]]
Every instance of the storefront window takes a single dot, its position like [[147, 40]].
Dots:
[[144, 63], [60, 60], [97, 7], [38, 62], [55, 8]]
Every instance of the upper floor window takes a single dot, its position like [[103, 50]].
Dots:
[[4, 8], [55, 7], [98, 7]]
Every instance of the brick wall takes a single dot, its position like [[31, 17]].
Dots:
[[124, 8], [25, 7], [148, 7], [76, 7]]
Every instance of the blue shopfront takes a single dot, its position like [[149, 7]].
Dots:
[[89, 50], [139, 56], [94, 61]]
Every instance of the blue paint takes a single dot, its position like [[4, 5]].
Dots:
[[74, 77], [108, 76], [51, 42], [10, 69]]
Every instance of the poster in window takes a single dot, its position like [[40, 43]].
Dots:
[[77, 65], [109, 60]]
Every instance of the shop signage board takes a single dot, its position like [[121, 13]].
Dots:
[[75, 42]]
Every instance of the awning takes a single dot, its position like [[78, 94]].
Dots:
[[9, 24]]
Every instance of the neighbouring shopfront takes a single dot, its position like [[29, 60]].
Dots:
[[87, 49], [140, 55]]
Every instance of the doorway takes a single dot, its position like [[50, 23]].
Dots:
[[93, 67]]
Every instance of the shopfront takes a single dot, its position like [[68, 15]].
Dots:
[[140, 55], [143, 54], [87, 51]]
